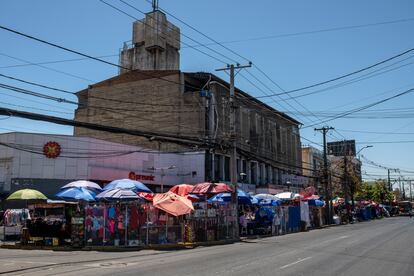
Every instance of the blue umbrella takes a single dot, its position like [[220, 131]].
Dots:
[[269, 202], [316, 202], [118, 194], [76, 193], [128, 184], [243, 198]]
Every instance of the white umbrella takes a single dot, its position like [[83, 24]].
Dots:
[[286, 195], [266, 196], [83, 184]]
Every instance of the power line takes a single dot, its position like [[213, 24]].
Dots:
[[53, 62], [363, 107], [180, 139], [343, 76], [203, 34], [49, 68], [377, 132], [341, 28], [189, 46], [236, 41], [354, 80], [86, 55]]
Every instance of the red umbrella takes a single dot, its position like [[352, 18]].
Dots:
[[211, 188], [312, 197], [146, 196], [173, 204], [182, 189]]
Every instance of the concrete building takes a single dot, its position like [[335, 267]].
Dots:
[[191, 105], [343, 183], [155, 45], [312, 164], [47, 162]]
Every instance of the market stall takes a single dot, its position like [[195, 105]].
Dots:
[[50, 222]]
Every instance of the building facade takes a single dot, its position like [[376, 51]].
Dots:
[[152, 94], [312, 164], [47, 162]]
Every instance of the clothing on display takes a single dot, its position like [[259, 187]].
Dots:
[[15, 217]]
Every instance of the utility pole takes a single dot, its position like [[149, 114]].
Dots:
[[411, 195], [389, 181], [327, 188], [233, 156], [346, 182]]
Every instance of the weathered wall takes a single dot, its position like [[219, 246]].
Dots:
[[148, 104], [259, 130]]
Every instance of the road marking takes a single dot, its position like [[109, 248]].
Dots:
[[298, 261]]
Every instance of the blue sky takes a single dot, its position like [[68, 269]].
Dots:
[[292, 61]]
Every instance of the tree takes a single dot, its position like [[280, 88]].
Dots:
[[376, 191]]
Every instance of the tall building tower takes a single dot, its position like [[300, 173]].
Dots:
[[155, 45]]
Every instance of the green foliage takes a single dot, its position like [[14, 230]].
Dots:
[[376, 191]]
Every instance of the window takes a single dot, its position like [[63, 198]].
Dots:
[[253, 172], [226, 168], [217, 165]]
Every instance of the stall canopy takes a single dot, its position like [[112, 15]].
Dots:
[[76, 193], [26, 194], [242, 197], [210, 188], [182, 189], [83, 184], [173, 204], [118, 194], [129, 184]]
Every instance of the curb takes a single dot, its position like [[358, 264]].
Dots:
[[179, 246]]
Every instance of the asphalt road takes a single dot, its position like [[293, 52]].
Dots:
[[383, 247]]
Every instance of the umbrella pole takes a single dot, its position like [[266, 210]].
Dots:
[[166, 227], [104, 224], [148, 209], [126, 223]]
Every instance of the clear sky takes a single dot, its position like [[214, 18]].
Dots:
[[289, 40]]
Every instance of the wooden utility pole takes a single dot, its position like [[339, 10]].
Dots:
[[233, 156], [327, 188]]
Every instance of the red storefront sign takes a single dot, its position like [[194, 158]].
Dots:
[[143, 177]]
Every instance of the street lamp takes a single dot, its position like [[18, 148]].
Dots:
[[369, 146], [162, 174]]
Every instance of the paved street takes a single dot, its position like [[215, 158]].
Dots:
[[382, 247]]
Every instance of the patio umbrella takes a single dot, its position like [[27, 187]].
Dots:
[[242, 198], [173, 204], [210, 188], [128, 184], [83, 184], [77, 193], [316, 202], [266, 196], [118, 194], [270, 202], [182, 189], [312, 197], [286, 195], [26, 194], [146, 196]]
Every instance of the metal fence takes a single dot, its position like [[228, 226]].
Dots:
[[134, 224]]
